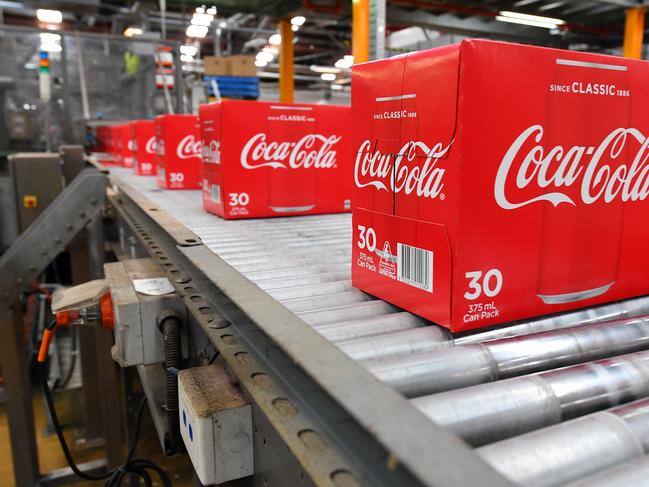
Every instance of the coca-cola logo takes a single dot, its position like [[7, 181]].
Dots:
[[528, 165], [132, 145], [313, 150], [189, 147], [212, 152], [150, 147], [414, 169]]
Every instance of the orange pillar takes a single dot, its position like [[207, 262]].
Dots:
[[633, 31], [286, 81], [361, 30]]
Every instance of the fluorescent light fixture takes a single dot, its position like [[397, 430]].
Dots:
[[196, 31], [200, 10], [273, 50], [211, 10], [189, 50], [49, 38], [264, 56], [51, 16], [51, 47], [324, 69], [298, 20], [337, 87], [328, 76], [531, 20], [185, 58], [348, 57], [294, 28], [133, 31], [202, 19], [275, 39], [260, 63]]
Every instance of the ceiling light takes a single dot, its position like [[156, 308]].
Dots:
[[328, 76], [211, 10], [526, 19], [30, 66], [273, 50], [202, 19], [133, 31], [189, 50], [298, 20], [223, 25], [200, 10], [323, 69], [337, 87], [265, 56], [260, 63], [275, 39], [294, 28], [52, 16], [185, 58], [196, 31], [49, 38]]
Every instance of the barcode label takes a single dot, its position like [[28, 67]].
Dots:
[[415, 266], [215, 189]]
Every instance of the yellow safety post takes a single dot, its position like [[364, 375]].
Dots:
[[361, 30], [286, 81], [633, 31]]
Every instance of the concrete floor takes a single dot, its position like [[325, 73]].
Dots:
[[51, 457]]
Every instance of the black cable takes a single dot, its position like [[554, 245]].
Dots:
[[137, 467], [214, 357], [73, 360]]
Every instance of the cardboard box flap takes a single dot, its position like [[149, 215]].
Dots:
[[430, 84]]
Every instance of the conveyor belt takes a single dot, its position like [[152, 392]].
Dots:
[[304, 263]]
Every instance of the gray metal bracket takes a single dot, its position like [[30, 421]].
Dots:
[[78, 205]]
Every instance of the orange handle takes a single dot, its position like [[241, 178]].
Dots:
[[48, 335]]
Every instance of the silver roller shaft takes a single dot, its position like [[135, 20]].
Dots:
[[631, 474], [298, 271], [466, 365], [396, 343], [287, 263], [606, 312], [365, 309], [326, 301], [269, 284], [344, 330], [293, 292], [569, 451], [494, 411]]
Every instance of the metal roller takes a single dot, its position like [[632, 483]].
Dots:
[[293, 292], [606, 312], [466, 365], [269, 284], [569, 451], [325, 301], [344, 330], [396, 343], [490, 412], [631, 474], [366, 309], [297, 271], [275, 264]]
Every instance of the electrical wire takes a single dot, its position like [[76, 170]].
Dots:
[[132, 466]]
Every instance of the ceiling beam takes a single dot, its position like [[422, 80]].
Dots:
[[467, 26]]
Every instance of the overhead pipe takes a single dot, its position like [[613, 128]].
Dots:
[[572, 450], [494, 411], [466, 365]]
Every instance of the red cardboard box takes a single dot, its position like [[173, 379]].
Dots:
[[266, 159], [107, 147], [144, 147], [124, 152], [178, 146], [495, 181]]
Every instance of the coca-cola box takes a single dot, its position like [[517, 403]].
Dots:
[[178, 151], [144, 147], [263, 159], [495, 181], [125, 147]]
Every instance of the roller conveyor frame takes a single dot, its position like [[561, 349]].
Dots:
[[372, 434], [305, 345]]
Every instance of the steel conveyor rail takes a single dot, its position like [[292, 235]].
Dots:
[[303, 383], [289, 278]]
